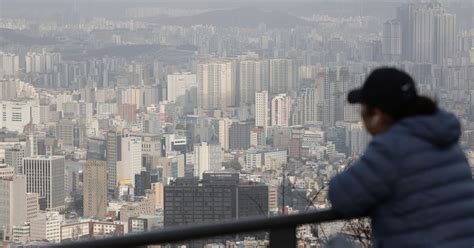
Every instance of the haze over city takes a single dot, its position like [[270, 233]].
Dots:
[[125, 117]]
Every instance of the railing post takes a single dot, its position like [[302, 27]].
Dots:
[[283, 237]]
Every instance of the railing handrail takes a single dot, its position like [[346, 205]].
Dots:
[[199, 231]]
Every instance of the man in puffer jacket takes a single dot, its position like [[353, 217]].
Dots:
[[413, 180]]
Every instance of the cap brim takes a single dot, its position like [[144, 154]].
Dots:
[[355, 96]]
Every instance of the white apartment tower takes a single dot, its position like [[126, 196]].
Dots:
[[281, 110], [261, 109], [283, 76], [178, 84], [9, 64], [253, 77], [216, 85]]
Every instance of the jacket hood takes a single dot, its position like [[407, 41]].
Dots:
[[441, 128]]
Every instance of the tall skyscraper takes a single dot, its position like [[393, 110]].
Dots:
[[224, 127], [357, 138], [332, 86], [445, 37], [253, 77], [95, 179], [113, 155], [131, 162], [95, 188], [239, 135], [342, 80], [217, 87], [283, 76], [391, 41], [306, 107], [45, 176], [281, 110], [326, 92], [13, 202], [428, 32], [262, 109]]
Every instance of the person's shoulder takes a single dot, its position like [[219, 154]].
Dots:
[[388, 142]]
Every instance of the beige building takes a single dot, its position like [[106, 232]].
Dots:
[[12, 202], [95, 188], [46, 227], [90, 230], [158, 190], [133, 209], [32, 206]]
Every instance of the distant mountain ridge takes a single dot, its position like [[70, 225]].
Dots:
[[241, 17], [9, 36]]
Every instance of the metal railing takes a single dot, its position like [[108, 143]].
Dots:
[[282, 231]]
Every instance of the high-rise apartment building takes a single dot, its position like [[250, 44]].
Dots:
[[306, 107], [217, 87], [9, 64], [332, 85], [281, 110], [392, 40], [224, 127], [253, 76], [262, 108], [178, 84], [428, 32], [41, 62], [283, 76], [45, 176]]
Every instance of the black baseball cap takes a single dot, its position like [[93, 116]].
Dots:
[[386, 88]]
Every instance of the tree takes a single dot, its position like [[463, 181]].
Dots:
[[233, 164]]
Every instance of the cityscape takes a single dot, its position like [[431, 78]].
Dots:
[[124, 117]]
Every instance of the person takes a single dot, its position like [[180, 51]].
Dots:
[[413, 180]]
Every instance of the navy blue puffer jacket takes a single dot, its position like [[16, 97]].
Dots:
[[415, 184]]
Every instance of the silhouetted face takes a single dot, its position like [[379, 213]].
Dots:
[[375, 120]]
